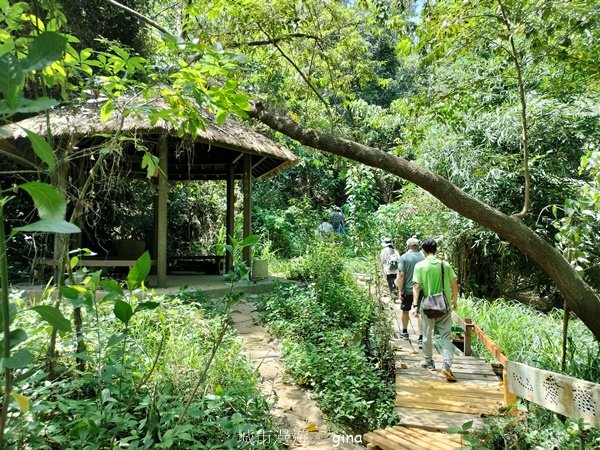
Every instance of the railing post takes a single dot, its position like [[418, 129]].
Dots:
[[468, 334], [509, 397]]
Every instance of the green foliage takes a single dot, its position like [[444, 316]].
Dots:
[[360, 183], [84, 411], [577, 225], [349, 390], [324, 326], [531, 427], [335, 287], [291, 230], [510, 325]]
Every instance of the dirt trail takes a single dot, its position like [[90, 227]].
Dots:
[[301, 420]]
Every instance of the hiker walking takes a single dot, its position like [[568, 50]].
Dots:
[[336, 219], [325, 229], [404, 281], [390, 260], [428, 277]]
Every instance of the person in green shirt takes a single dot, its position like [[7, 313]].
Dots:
[[427, 276]]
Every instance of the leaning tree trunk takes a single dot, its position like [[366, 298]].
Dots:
[[579, 296]]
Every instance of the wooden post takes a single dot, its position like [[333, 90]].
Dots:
[[161, 229], [509, 397], [230, 215], [247, 187], [468, 335]]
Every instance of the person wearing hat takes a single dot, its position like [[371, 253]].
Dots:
[[390, 260], [404, 281]]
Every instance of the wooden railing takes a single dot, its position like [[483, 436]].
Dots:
[[562, 394]]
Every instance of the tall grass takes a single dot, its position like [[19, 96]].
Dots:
[[529, 336]]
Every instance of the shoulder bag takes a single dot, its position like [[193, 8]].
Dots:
[[436, 305]]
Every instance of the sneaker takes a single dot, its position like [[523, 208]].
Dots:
[[449, 375], [420, 342], [428, 365], [404, 335]]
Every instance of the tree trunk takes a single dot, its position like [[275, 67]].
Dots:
[[580, 297]]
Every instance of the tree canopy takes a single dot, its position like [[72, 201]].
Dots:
[[495, 97]]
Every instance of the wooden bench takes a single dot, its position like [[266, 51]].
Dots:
[[209, 264], [87, 262]]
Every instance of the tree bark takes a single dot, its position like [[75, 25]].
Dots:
[[578, 295]]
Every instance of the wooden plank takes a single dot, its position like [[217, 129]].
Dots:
[[381, 441], [417, 373], [472, 386], [465, 394], [435, 420], [470, 403], [423, 439], [418, 359], [407, 442], [443, 441], [459, 407], [569, 396]]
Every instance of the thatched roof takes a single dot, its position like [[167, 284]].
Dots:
[[205, 156]]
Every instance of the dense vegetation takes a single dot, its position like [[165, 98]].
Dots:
[[497, 96]]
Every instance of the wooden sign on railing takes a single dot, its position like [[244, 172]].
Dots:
[[571, 397]]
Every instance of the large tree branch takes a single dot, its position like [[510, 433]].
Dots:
[[580, 297]]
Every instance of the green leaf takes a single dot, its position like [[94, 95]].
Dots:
[[49, 226], [41, 148], [403, 46], [115, 339], [83, 356], [49, 202], [11, 80], [250, 240], [37, 105], [19, 360], [138, 273], [16, 337], [12, 313], [53, 316], [78, 296], [123, 311], [221, 116], [112, 287], [22, 401], [45, 48], [107, 109], [146, 305], [150, 163]]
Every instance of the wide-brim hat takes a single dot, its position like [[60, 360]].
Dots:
[[386, 242]]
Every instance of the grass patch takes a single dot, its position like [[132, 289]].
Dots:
[[531, 337]]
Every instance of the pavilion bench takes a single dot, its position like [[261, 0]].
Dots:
[[209, 264]]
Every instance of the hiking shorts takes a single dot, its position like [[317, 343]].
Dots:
[[406, 303]]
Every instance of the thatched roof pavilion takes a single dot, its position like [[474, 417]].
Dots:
[[230, 152], [202, 157]]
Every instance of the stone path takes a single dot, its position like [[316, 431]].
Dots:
[[301, 420]]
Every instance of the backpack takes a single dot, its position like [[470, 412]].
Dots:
[[393, 261], [336, 220]]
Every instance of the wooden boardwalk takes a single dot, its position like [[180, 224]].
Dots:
[[427, 404]]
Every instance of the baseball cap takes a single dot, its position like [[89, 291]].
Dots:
[[412, 241]]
